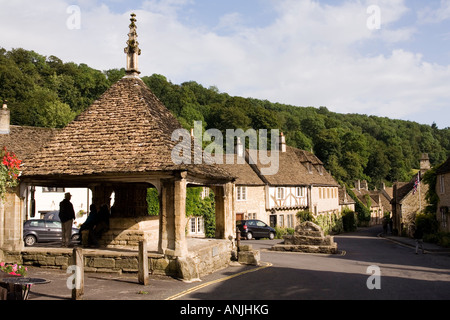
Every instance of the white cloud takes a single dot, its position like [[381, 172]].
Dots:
[[429, 15], [307, 56]]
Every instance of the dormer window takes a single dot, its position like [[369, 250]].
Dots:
[[320, 169]]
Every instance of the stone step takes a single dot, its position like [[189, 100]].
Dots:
[[307, 240], [331, 249]]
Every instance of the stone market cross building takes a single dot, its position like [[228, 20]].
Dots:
[[122, 144]]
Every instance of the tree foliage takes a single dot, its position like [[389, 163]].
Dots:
[[44, 91]]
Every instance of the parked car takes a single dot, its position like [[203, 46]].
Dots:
[[44, 231], [255, 229], [52, 215]]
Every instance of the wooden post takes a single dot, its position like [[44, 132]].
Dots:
[[143, 263], [238, 238], [78, 262]]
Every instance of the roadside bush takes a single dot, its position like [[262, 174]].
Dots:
[[349, 220], [304, 216], [427, 223], [283, 232], [330, 223], [444, 239]]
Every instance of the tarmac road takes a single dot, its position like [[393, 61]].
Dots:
[[284, 276], [295, 276]]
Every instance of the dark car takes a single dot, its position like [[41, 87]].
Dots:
[[52, 215], [44, 231], [255, 229]]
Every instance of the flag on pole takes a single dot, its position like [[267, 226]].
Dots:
[[416, 183]]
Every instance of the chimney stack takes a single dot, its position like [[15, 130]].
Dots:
[[425, 164], [5, 118], [239, 148], [282, 142]]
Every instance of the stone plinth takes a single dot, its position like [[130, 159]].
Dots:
[[128, 232], [248, 256], [308, 238]]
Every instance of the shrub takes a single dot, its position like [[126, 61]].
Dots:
[[304, 216], [330, 223], [349, 220], [427, 223], [444, 239], [280, 232]]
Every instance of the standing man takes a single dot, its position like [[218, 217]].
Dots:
[[66, 215]]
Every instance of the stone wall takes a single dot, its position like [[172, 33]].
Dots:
[[255, 205], [206, 257], [127, 232], [443, 215], [411, 204]]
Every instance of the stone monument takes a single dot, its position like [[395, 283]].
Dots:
[[308, 238]]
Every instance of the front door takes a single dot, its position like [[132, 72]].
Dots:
[[273, 221]]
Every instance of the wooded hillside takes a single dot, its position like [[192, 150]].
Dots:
[[45, 91]]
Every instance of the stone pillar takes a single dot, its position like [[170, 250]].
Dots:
[[11, 221], [225, 216], [172, 233]]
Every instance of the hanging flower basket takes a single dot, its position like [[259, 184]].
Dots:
[[9, 171]]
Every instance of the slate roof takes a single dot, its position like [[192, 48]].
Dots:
[[127, 130]]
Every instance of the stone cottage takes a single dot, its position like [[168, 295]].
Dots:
[[409, 198], [443, 192], [301, 183]]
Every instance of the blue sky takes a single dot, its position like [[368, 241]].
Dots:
[[299, 52]]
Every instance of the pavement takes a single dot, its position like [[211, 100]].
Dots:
[[409, 242], [125, 286], [105, 286]]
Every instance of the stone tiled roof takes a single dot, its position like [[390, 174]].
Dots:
[[297, 167], [444, 168], [26, 141], [127, 130], [245, 175]]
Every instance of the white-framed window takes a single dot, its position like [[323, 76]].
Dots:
[[196, 225], [53, 189], [280, 193], [241, 193], [205, 192], [281, 221], [251, 216], [299, 192], [442, 183], [290, 221]]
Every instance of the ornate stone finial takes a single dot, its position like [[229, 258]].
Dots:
[[132, 50]]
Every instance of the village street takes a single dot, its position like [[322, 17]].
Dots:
[[285, 276], [295, 276]]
